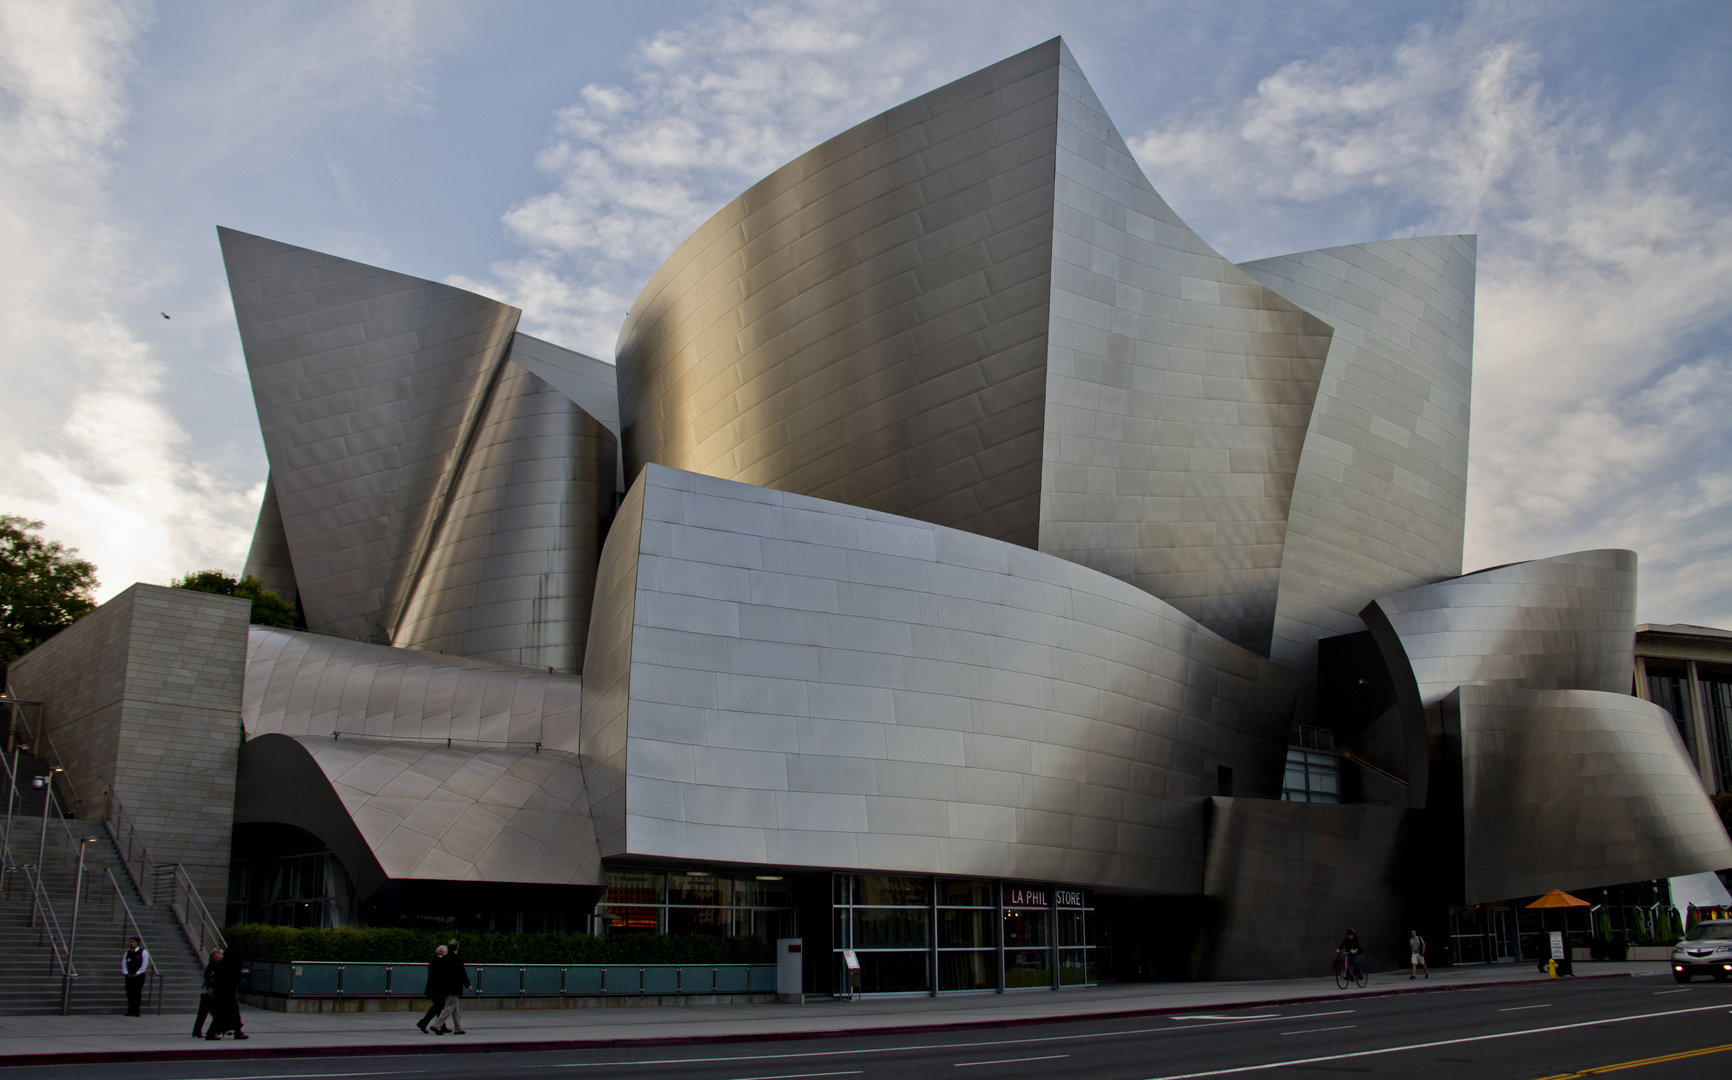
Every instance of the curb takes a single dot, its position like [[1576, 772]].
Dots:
[[234, 1053]]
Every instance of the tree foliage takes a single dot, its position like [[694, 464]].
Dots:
[[269, 609], [43, 588]]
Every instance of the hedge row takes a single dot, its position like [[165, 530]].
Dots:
[[387, 945]]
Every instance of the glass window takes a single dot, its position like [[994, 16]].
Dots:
[[1026, 928], [965, 894], [1671, 691], [640, 920], [1070, 928], [893, 972], [890, 928], [969, 929], [967, 971], [1311, 776], [700, 920], [708, 890], [634, 886], [874, 891]]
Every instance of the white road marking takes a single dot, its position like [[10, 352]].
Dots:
[[1313, 1031], [1008, 1061], [1208, 1016], [1265, 1066], [312, 1076], [799, 1076], [1519, 1008], [1680, 990]]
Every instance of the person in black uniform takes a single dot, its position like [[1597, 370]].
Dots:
[[204, 998], [135, 965], [437, 977], [225, 1010]]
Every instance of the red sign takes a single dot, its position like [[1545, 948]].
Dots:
[[1025, 896]]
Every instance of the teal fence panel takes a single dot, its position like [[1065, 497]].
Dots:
[[282, 979], [364, 980], [763, 978], [583, 980], [661, 979], [543, 980], [496, 980], [408, 980], [622, 979], [733, 979], [314, 980], [697, 979]]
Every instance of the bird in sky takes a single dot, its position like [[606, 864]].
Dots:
[[164, 314]]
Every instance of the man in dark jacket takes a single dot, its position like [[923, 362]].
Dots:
[[135, 965], [456, 981], [438, 978], [225, 1010], [204, 999]]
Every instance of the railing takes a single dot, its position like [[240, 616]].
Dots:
[[134, 855], [189, 910], [42, 917], [333, 979], [130, 930]]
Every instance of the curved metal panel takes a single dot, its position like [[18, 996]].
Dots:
[[1178, 392], [588, 382], [607, 669], [812, 684], [268, 558], [1597, 786], [1379, 499], [368, 386], [510, 571], [310, 684], [868, 323], [428, 811]]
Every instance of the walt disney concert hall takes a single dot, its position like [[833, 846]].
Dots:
[[961, 563]]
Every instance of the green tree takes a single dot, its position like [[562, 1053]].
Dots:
[[43, 588], [269, 609]]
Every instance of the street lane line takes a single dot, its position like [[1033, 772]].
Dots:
[[899, 1049], [1313, 1031], [1008, 1061], [311, 1076], [1519, 1008], [1598, 1069], [1207, 1016], [1680, 990], [800, 1076], [1268, 1065]]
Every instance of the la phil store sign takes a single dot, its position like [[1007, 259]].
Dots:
[[1041, 896]]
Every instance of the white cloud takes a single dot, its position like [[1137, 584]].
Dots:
[[90, 431], [1598, 411], [712, 106]]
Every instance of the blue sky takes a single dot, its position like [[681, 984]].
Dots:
[[552, 154]]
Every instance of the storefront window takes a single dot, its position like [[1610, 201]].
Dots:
[[691, 901], [1027, 948], [967, 943], [886, 921]]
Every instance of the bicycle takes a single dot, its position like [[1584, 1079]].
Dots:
[[1349, 970]]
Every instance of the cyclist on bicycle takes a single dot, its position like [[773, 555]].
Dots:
[[1351, 953]]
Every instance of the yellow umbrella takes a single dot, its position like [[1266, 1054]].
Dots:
[[1559, 898]]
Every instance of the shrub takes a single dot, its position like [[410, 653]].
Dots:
[[390, 945]]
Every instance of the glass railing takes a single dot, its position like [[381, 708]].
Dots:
[[333, 979]]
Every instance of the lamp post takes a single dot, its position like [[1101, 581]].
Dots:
[[46, 783], [72, 941]]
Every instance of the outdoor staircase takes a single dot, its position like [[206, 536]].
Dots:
[[33, 983]]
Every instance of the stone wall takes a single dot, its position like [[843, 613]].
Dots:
[[143, 698]]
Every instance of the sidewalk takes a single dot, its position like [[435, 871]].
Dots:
[[45, 1040]]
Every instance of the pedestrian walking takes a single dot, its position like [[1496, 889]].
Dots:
[[1416, 954], [456, 981], [225, 1008], [135, 965], [436, 981], [204, 997]]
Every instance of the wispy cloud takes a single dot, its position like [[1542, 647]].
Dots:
[[91, 435], [1601, 383], [711, 107]]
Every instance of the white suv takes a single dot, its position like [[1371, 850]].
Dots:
[[1705, 950]]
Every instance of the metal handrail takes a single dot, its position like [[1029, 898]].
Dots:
[[55, 759], [50, 927], [134, 855], [132, 931], [189, 910]]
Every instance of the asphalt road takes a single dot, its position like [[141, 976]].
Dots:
[[1643, 1028]]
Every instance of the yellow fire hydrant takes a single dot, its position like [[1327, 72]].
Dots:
[[1551, 969]]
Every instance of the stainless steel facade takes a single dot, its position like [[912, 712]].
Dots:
[[813, 684], [978, 521], [1380, 495], [1568, 789]]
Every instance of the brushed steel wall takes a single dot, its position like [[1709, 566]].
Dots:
[[1567, 789], [588, 382], [373, 719], [1178, 391], [868, 323], [1564, 623], [1379, 499], [511, 569], [812, 684], [268, 558], [367, 385]]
